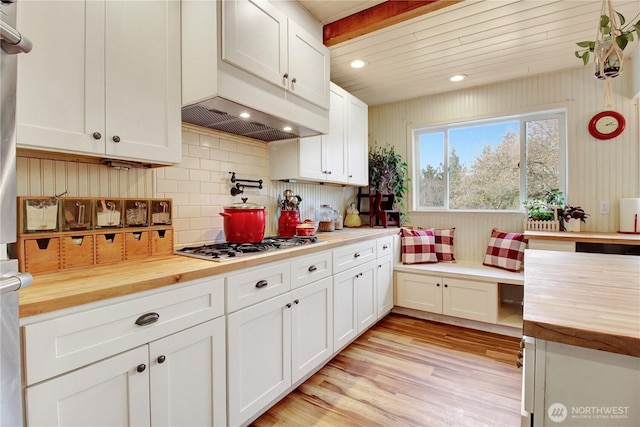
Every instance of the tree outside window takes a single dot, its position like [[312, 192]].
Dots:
[[476, 166]]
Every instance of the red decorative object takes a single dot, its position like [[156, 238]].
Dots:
[[606, 125]]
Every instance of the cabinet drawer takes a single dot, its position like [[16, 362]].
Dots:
[[257, 284], [68, 342], [307, 269], [350, 256], [384, 246]]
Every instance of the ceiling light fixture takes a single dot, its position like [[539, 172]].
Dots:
[[245, 115], [458, 77], [287, 129], [359, 63]]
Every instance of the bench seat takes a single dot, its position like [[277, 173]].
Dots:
[[464, 270]]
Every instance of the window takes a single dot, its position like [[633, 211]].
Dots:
[[476, 165]]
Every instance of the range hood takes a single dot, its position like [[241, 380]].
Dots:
[[228, 116]]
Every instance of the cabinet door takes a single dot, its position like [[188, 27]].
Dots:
[[311, 327], [254, 38], [60, 92], [308, 66], [471, 299], [419, 291], [188, 377], [345, 326], [313, 158], [258, 356], [143, 80], [108, 393], [366, 296], [357, 142], [335, 141], [384, 285]]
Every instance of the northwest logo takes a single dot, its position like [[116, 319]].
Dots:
[[557, 412]]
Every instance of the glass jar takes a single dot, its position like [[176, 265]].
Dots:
[[326, 218], [338, 222]]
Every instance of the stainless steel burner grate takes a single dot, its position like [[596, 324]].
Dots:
[[229, 251]]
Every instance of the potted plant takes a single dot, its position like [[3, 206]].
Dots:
[[388, 174], [612, 29], [572, 216], [543, 213]]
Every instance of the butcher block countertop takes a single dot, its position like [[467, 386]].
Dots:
[[68, 288], [584, 299], [585, 237]]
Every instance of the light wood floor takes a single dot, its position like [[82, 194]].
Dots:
[[410, 372]]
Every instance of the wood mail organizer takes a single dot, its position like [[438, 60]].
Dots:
[[55, 234]]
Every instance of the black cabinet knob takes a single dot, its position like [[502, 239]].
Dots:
[[97, 135], [288, 305], [116, 138], [297, 301], [161, 358], [141, 367]]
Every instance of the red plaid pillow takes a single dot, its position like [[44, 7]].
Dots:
[[418, 246], [444, 244], [505, 250]]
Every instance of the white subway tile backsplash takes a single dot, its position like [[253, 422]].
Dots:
[[198, 152], [199, 175], [166, 186], [209, 141], [177, 173]]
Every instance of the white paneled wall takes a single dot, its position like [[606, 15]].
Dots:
[[597, 170], [38, 177]]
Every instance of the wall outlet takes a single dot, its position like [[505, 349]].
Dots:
[[604, 208]]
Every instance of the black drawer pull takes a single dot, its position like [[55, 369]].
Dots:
[[261, 284], [356, 255], [288, 305], [312, 268], [147, 319], [385, 247], [297, 301]]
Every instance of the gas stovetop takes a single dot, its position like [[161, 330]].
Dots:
[[229, 251]]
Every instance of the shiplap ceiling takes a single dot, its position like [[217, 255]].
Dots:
[[488, 40]]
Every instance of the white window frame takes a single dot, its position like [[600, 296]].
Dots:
[[561, 114]]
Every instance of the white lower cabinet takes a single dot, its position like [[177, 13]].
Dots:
[[274, 343], [384, 285], [177, 380], [156, 359], [354, 301], [468, 299]]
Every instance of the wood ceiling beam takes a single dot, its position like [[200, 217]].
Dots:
[[378, 17]]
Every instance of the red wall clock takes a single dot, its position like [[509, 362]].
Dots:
[[606, 124]]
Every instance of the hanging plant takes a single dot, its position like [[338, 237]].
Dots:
[[613, 36]]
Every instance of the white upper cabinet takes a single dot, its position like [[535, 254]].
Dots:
[[103, 79], [339, 157], [254, 38], [260, 39]]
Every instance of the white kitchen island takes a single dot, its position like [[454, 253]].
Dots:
[[581, 339]]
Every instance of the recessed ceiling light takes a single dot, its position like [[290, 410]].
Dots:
[[245, 115], [359, 63], [287, 128], [458, 77]]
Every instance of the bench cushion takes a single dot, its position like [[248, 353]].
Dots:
[[465, 270]]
